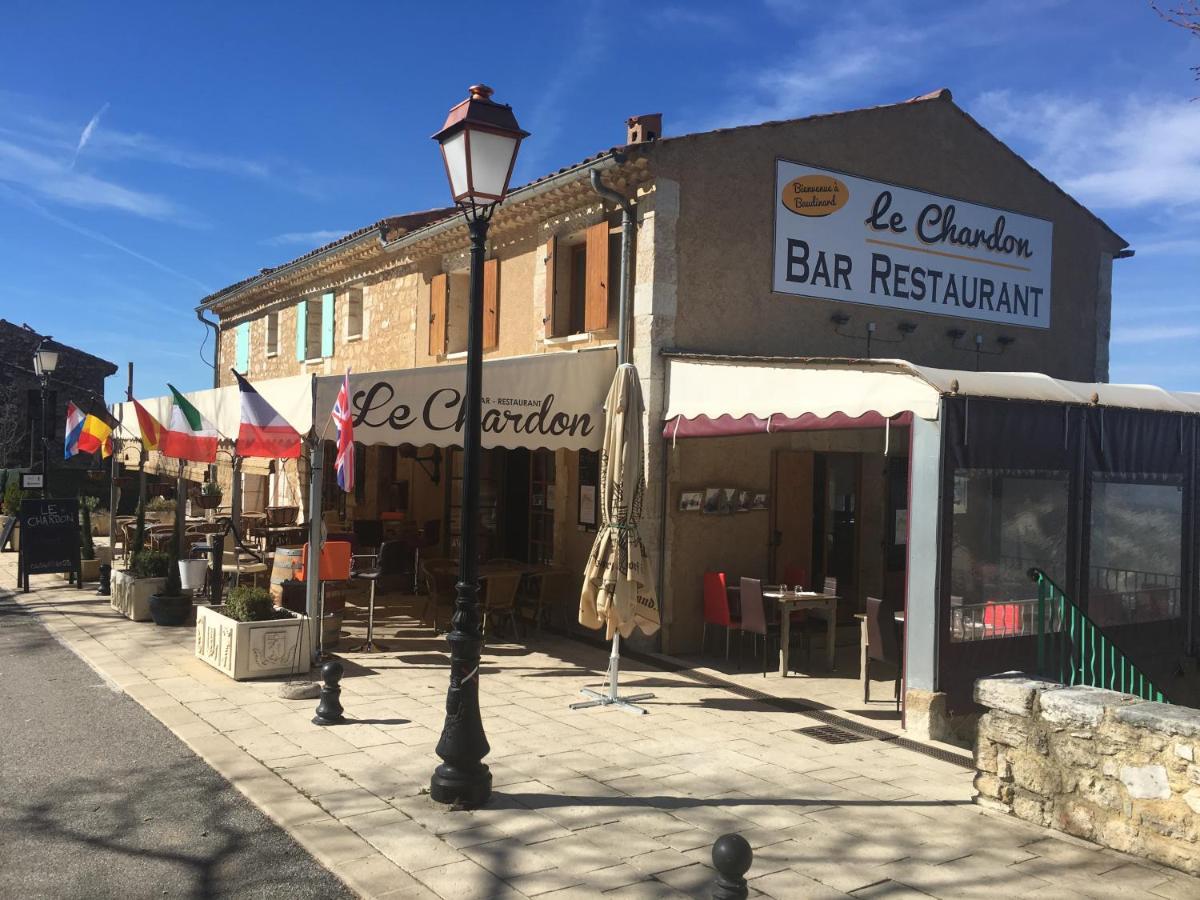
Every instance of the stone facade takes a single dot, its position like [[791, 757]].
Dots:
[[1097, 764], [79, 378]]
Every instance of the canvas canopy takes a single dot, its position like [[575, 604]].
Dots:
[[714, 395], [549, 400]]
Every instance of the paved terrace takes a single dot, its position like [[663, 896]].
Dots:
[[587, 803]]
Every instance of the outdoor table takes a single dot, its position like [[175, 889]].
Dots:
[[862, 645], [793, 600], [274, 535]]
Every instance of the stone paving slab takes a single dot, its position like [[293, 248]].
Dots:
[[586, 803]]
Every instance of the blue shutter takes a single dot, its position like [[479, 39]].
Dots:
[[327, 324], [301, 330], [243, 348]]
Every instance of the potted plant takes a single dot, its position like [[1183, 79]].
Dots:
[[89, 565], [13, 495], [170, 605], [249, 637], [160, 509], [210, 495], [132, 589]]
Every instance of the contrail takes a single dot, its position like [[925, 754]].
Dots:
[[86, 135]]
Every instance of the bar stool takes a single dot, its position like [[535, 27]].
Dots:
[[389, 562]]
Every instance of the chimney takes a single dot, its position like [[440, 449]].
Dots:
[[641, 129]]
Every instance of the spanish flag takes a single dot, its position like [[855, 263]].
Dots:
[[96, 436], [149, 426]]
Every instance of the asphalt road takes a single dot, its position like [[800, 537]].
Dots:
[[97, 799]]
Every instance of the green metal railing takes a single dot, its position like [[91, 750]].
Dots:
[[1075, 650]]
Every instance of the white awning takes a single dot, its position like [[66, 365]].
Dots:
[[759, 390], [550, 400], [291, 397]]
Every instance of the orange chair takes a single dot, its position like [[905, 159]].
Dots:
[[333, 564], [716, 609]]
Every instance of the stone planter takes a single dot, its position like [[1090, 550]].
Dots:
[[131, 596], [89, 569], [252, 649]]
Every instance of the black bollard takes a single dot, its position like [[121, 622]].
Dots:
[[732, 857], [105, 588], [329, 710], [216, 573]]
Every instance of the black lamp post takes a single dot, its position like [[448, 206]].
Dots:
[[45, 361], [479, 146]]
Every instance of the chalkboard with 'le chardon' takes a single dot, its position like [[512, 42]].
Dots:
[[49, 538]]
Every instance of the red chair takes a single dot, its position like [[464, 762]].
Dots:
[[1002, 619], [716, 609]]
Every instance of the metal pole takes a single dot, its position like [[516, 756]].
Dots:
[[45, 444], [312, 573], [463, 778]]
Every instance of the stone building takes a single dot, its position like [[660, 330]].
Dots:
[[773, 266], [79, 378]]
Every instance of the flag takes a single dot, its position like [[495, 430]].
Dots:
[[188, 434], [343, 421], [150, 427], [263, 431], [95, 435], [72, 431]]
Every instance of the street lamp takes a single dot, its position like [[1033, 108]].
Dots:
[[45, 361], [479, 146]]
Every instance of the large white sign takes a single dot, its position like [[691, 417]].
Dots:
[[552, 400], [838, 237]]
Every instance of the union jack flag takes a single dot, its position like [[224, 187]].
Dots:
[[343, 422]]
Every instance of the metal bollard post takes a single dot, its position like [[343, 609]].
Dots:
[[218, 559], [105, 588], [732, 857], [329, 710]]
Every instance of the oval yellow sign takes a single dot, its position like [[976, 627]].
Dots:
[[815, 195]]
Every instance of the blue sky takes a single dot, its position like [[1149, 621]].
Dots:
[[151, 153]]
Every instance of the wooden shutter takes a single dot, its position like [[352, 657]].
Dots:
[[242, 348], [548, 319], [595, 302], [302, 330], [327, 324], [491, 304], [437, 314]]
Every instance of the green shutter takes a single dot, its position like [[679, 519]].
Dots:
[[243, 348], [301, 330], [327, 324]]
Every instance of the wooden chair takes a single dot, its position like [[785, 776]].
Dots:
[[440, 580], [883, 643], [716, 609], [501, 600], [547, 596]]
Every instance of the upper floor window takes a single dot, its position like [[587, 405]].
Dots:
[[582, 276], [449, 309], [241, 336], [314, 328], [354, 314], [272, 334]]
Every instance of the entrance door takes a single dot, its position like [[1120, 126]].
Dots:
[[792, 514], [838, 479]]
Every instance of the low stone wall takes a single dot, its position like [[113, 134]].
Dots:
[[1097, 764]]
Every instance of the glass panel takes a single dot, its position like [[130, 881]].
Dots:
[[455, 152], [491, 156], [1136, 550], [1004, 523]]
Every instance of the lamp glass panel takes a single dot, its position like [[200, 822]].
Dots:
[[455, 150], [46, 361], [491, 157]]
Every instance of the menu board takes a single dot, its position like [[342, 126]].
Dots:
[[49, 538]]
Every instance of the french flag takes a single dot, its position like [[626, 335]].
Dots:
[[263, 431], [73, 430]]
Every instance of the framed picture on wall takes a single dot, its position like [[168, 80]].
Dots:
[[728, 501], [744, 501], [712, 501], [587, 505], [759, 501], [691, 501]]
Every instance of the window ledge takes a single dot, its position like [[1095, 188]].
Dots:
[[568, 338], [351, 338], [271, 355], [460, 354]]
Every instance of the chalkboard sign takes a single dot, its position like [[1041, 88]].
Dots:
[[49, 538]]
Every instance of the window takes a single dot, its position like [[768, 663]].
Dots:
[[273, 334], [241, 346], [457, 311], [1005, 522], [354, 314], [314, 328], [1136, 550], [582, 281]]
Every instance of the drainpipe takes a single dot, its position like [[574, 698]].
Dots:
[[628, 227], [216, 363]]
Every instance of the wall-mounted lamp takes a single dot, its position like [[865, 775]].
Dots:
[[1006, 340], [839, 319], [906, 328]]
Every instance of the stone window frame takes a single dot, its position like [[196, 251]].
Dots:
[[355, 313], [272, 336]]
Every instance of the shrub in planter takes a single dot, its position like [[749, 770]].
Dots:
[[89, 566], [248, 637], [132, 589], [13, 495], [171, 606], [160, 509]]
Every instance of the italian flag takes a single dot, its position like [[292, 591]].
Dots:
[[263, 431], [188, 434]]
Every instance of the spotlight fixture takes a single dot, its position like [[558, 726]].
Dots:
[[906, 328], [955, 334], [839, 319], [1005, 340]]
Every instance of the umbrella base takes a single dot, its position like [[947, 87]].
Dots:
[[628, 704]]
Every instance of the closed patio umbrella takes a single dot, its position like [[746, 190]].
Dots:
[[618, 587]]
